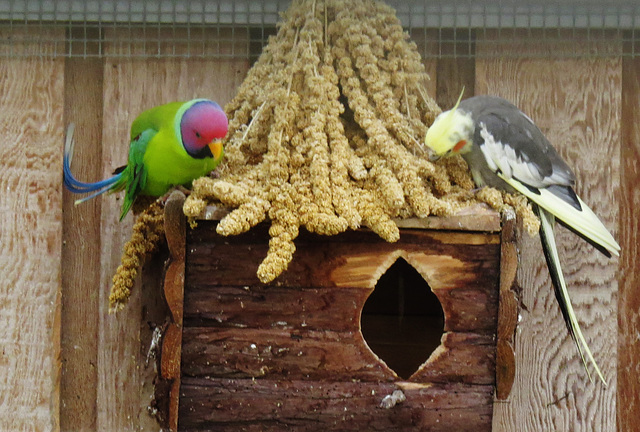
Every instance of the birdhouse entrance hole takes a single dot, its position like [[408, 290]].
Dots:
[[402, 320]]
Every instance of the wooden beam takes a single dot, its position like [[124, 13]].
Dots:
[[296, 405], [81, 239], [476, 217], [508, 308], [628, 403], [171, 354], [353, 259]]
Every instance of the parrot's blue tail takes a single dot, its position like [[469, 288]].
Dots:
[[76, 186]]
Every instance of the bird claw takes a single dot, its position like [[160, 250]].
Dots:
[[163, 199], [183, 189]]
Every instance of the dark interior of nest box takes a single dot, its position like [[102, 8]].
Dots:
[[402, 320]]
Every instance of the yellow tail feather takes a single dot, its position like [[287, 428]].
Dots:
[[585, 222]]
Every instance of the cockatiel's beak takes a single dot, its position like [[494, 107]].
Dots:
[[216, 148], [433, 157]]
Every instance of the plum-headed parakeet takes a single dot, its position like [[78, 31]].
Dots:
[[171, 145], [506, 150]]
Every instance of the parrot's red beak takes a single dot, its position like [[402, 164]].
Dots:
[[216, 148]]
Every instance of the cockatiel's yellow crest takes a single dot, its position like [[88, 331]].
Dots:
[[448, 131]]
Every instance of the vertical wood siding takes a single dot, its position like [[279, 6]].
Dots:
[[31, 110], [628, 402], [114, 391]]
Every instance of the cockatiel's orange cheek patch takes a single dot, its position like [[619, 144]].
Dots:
[[459, 145]]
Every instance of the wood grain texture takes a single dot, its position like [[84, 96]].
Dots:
[[175, 232], [81, 243], [280, 354], [131, 86], [30, 237], [476, 217], [264, 405], [457, 266], [628, 403], [427, 43], [348, 257], [576, 103], [508, 308], [173, 289], [306, 327]]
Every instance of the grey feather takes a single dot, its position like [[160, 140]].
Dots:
[[511, 127]]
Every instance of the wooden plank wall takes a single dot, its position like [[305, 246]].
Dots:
[[30, 238], [577, 102], [588, 107], [628, 402]]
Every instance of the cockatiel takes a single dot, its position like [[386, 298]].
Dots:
[[506, 150], [171, 145]]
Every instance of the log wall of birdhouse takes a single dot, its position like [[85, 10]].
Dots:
[[291, 353]]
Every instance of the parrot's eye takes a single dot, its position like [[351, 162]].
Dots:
[[198, 135]]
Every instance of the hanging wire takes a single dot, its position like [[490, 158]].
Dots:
[[239, 29]]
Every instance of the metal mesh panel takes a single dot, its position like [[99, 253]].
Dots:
[[226, 28]]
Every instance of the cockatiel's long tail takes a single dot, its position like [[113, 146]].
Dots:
[[583, 221], [548, 240], [587, 225], [75, 185]]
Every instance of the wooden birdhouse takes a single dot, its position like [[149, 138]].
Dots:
[[357, 334]]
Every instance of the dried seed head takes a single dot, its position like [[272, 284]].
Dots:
[[326, 132]]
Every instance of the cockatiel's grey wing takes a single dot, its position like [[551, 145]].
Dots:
[[513, 145], [517, 152]]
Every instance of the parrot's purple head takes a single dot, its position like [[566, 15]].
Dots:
[[202, 127]]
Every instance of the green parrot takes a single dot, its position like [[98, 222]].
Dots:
[[171, 145], [506, 150]]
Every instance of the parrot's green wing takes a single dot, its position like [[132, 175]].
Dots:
[[134, 175]]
